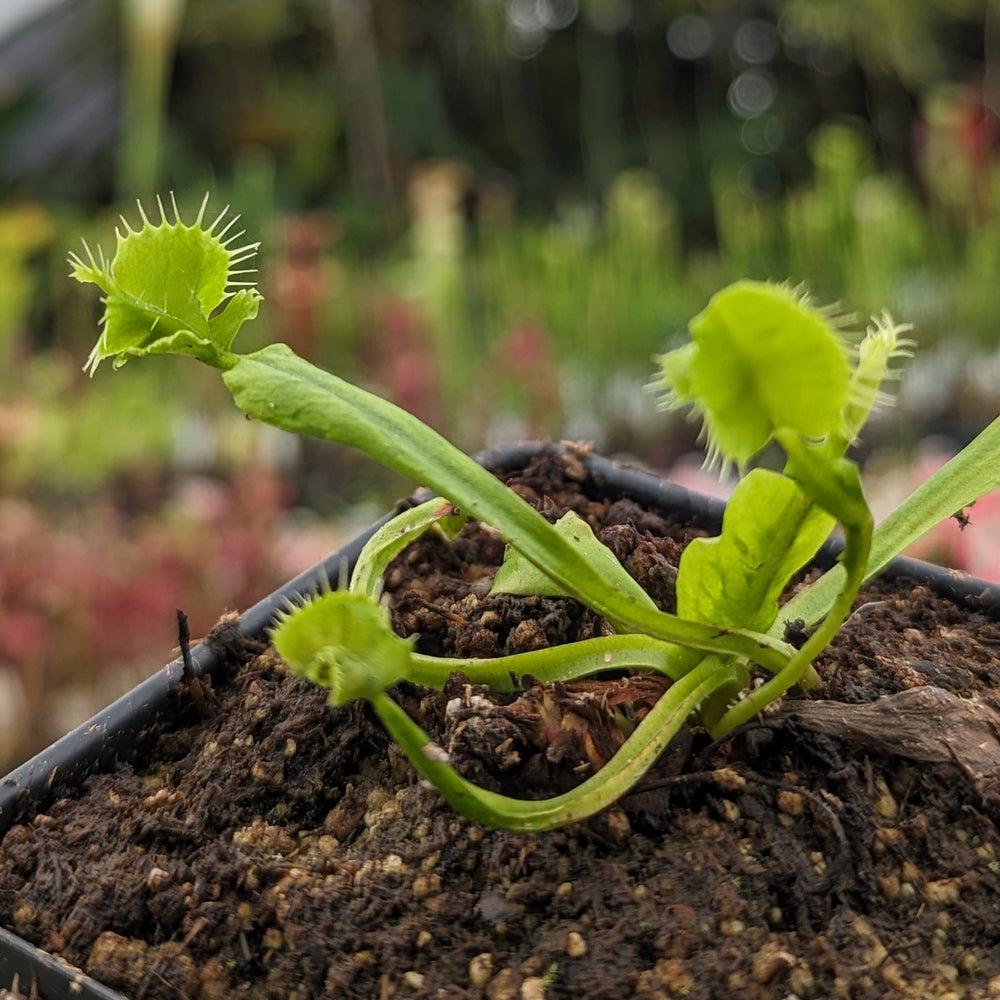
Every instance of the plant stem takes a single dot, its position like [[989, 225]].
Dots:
[[599, 791], [557, 663], [837, 489], [972, 473]]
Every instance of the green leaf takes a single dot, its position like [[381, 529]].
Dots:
[[769, 531], [171, 288], [394, 536], [760, 358], [835, 487], [519, 576]]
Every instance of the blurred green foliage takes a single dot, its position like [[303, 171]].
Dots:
[[511, 202]]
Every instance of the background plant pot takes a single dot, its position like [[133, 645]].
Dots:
[[124, 729]]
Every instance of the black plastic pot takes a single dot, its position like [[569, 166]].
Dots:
[[120, 733]]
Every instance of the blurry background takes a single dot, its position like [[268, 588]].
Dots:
[[492, 211]]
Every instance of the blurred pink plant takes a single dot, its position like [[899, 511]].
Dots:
[[400, 358], [87, 598], [524, 357], [302, 281]]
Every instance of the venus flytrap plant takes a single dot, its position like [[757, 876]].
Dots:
[[763, 366], [197, 312], [764, 352]]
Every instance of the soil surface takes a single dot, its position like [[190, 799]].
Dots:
[[843, 846]]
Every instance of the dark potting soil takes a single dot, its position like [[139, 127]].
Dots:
[[846, 845]]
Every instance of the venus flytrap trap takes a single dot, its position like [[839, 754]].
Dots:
[[763, 366], [171, 289]]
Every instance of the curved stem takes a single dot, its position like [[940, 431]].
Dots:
[[557, 663], [631, 761], [393, 537]]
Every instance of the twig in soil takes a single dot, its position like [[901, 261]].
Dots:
[[446, 613], [189, 679], [926, 724], [864, 609], [839, 864]]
